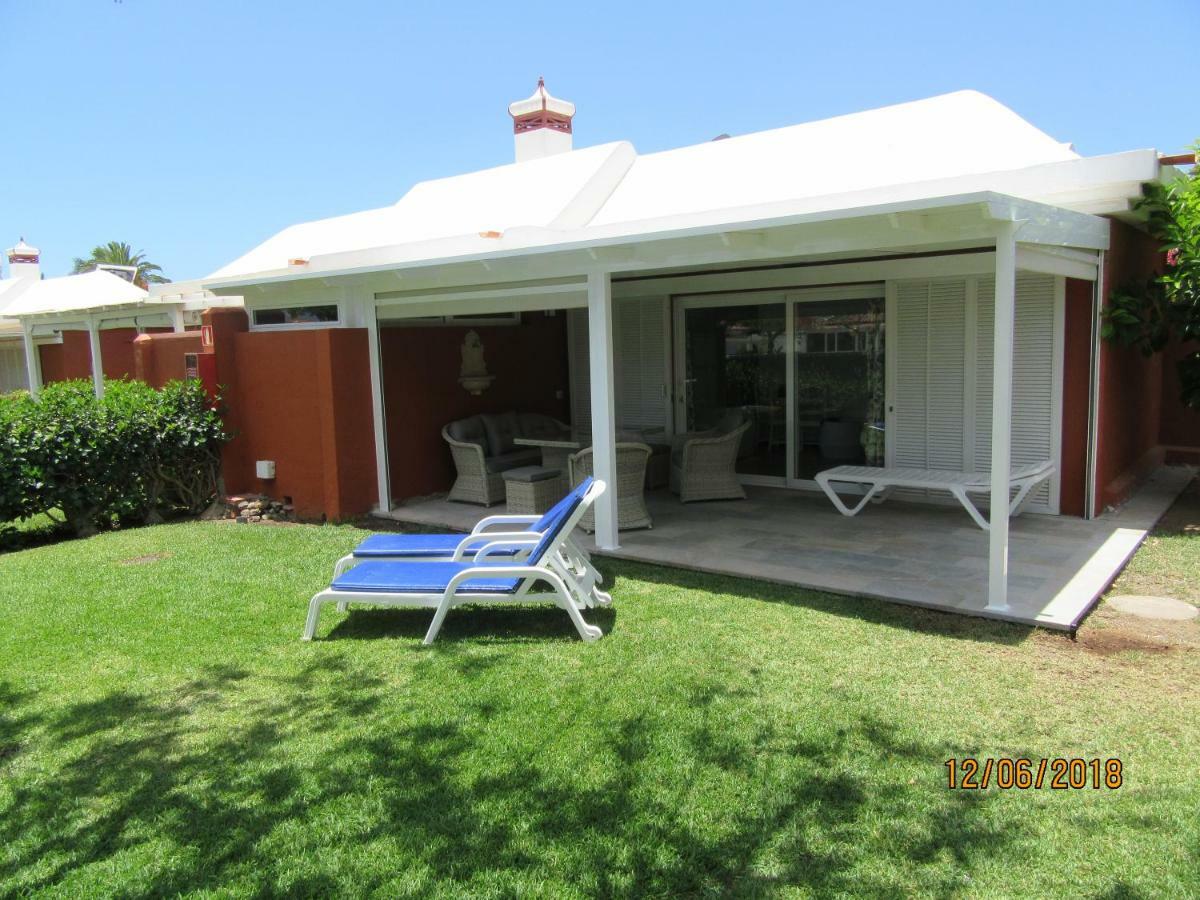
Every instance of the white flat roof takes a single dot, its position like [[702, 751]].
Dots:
[[949, 146], [943, 137], [74, 293], [538, 193]]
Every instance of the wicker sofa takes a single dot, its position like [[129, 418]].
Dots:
[[702, 463], [482, 448]]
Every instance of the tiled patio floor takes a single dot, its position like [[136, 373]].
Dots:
[[905, 552]]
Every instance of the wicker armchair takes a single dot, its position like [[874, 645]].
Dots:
[[474, 484], [631, 480], [702, 467]]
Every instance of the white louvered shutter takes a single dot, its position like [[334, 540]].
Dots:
[[1033, 423], [640, 362], [929, 395], [12, 367], [947, 365], [911, 347]]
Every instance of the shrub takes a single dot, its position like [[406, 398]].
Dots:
[[130, 456], [16, 488], [1149, 315]]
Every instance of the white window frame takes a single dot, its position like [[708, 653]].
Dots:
[[296, 326]]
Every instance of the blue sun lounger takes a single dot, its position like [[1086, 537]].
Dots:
[[456, 547], [442, 585]]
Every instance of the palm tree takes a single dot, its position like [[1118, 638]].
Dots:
[[118, 253]]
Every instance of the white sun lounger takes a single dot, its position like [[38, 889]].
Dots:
[[458, 547], [443, 585], [880, 482]]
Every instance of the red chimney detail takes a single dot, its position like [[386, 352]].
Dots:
[[541, 110]]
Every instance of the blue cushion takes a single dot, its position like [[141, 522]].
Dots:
[[388, 545], [562, 511], [423, 546], [559, 509], [405, 577]]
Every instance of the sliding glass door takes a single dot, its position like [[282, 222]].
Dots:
[[838, 384], [805, 369], [735, 365]]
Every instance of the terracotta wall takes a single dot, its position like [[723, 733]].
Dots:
[[1180, 428], [73, 357], [159, 358], [422, 393], [1077, 374], [303, 399], [1131, 385]]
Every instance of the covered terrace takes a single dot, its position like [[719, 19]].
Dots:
[[530, 269]]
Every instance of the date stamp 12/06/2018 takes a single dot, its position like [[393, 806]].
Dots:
[[1059, 774]]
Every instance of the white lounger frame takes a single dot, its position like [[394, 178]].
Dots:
[[575, 557], [554, 569], [881, 481]]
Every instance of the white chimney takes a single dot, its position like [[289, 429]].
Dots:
[[541, 124], [24, 261]]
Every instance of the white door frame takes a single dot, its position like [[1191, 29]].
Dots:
[[789, 298]]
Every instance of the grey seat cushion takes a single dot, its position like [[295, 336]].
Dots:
[[501, 429], [469, 431], [530, 474], [505, 461]]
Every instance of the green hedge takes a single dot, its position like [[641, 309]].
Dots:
[[130, 456]]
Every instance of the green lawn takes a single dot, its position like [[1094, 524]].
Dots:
[[163, 730]]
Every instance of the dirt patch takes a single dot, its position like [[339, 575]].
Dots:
[[143, 560], [1110, 641], [1108, 631]]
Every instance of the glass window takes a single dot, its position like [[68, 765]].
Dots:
[[296, 315]]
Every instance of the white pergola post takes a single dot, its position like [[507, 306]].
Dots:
[[177, 323], [1002, 380], [382, 480], [33, 363], [604, 416], [97, 362]]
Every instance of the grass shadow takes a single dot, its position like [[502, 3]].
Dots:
[[240, 805], [507, 624]]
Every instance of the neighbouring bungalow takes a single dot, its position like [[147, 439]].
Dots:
[[92, 325], [914, 286]]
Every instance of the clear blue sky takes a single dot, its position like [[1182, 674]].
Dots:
[[195, 130]]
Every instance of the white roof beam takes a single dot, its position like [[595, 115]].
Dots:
[[1052, 225]]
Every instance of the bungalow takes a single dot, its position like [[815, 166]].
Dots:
[[928, 275], [89, 325]]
